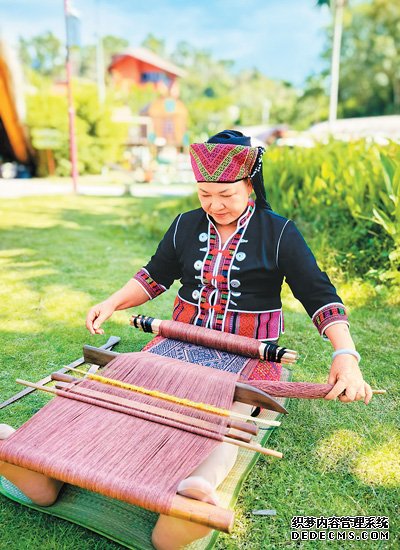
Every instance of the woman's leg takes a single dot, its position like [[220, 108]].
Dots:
[[171, 533], [42, 490]]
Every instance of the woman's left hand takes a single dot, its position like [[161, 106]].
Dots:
[[348, 381]]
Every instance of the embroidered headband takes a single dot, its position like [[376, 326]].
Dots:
[[222, 162], [228, 157]]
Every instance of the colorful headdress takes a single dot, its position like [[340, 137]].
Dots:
[[228, 157], [222, 162]]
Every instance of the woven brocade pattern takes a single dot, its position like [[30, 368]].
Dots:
[[328, 315], [220, 162], [247, 368], [192, 353], [266, 370], [149, 285]]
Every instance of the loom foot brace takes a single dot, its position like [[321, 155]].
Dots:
[[203, 513]]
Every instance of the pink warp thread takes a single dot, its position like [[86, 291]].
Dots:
[[122, 456], [233, 343]]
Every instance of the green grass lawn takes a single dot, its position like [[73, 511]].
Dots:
[[60, 255]]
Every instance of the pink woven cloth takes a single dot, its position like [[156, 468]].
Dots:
[[121, 456], [233, 343]]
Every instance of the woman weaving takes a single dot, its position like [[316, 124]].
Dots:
[[231, 256]]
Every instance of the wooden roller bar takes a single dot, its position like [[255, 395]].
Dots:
[[233, 343], [203, 513]]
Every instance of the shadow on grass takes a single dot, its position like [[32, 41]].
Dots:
[[57, 260]]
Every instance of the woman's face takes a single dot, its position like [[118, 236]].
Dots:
[[225, 202]]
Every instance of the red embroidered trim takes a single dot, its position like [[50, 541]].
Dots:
[[329, 314], [152, 288], [266, 370], [262, 326], [218, 285]]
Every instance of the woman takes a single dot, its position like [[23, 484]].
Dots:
[[231, 256]]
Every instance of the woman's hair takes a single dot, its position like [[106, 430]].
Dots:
[[257, 181]]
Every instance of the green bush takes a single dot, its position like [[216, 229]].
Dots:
[[100, 140], [346, 196]]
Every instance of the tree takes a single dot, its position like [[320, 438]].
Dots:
[[370, 75], [312, 104], [155, 44], [101, 141], [44, 53]]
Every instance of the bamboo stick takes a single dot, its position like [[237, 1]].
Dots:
[[177, 400], [255, 447], [232, 432], [157, 411], [250, 446], [68, 379], [238, 435]]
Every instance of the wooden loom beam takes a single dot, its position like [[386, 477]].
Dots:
[[203, 513], [162, 327]]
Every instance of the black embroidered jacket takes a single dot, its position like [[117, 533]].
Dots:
[[244, 277]]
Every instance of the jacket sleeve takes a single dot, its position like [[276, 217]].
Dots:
[[308, 283], [163, 268]]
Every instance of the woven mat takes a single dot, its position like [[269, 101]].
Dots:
[[131, 526]]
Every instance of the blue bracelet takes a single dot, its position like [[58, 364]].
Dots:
[[352, 352]]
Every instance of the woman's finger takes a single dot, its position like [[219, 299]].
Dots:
[[91, 316], [337, 389], [101, 317], [368, 393], [344, 399], [360, 396], [351, 392]]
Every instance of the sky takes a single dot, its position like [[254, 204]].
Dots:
[[282, 38]]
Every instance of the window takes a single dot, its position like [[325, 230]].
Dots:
[[154, 77]]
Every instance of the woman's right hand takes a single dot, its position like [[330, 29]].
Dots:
[[97, 315]]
